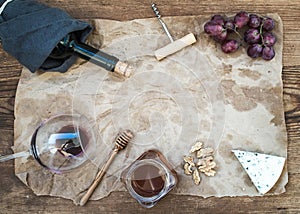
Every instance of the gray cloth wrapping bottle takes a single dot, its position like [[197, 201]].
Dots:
[[29, 31]]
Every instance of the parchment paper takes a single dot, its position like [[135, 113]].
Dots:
[[226, 101]]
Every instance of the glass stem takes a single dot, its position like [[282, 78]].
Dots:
[[16, 155]]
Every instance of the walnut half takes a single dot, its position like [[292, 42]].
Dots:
[[187, 169], [196, 177], [210, 173], [189, 160], [206, 166], [202, 153], [196, 147]]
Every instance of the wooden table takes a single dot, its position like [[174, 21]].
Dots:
[[15, 197]]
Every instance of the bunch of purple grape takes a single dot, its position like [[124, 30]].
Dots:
[[257, 33]]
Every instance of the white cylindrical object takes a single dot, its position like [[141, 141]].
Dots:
[[175, 46]]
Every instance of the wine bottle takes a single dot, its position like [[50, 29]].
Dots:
[[69, 46]]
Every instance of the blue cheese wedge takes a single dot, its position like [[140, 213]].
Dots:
[[264, 170]]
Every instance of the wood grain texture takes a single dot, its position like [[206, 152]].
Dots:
[[15, 197]]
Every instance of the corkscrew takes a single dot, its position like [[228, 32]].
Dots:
[[174, 46], [120, 143], [157, 13]]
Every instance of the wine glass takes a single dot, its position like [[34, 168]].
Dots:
[[61, 143]]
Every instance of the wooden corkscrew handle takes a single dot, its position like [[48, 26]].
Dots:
[[120, 143]]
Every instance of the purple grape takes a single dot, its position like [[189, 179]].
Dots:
[[269, 39], [230, 46], [252, 36], [268, 24], [268, 53], [218, 19], [229, 25], [212, 28], [254, 21], [221, 37], [241, 19], [254, 50]]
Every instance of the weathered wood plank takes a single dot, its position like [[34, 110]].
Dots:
[[15, 197]]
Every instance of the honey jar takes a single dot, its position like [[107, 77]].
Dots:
[[149, 178]]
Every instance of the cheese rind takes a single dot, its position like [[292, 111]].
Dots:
[[264, 170]]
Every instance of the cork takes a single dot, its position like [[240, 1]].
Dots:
[[123, 69], [175, 46]]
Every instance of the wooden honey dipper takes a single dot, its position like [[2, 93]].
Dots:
[[120, 143]]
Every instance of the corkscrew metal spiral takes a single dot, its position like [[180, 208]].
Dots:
[[157, 14], [120, 143], [155, 10]]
